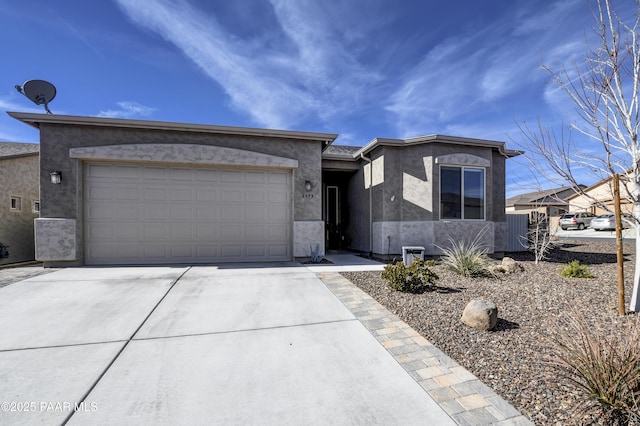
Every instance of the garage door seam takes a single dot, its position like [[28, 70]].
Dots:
[[84, 397]]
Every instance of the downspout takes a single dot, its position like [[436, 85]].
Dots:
[[368, 160]]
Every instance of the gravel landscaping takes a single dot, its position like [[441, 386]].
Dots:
[[532, 308]]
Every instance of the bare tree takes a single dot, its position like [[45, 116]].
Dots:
[[605, 91]]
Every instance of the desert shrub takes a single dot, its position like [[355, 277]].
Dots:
[[603, 366], [575, 270], [414, 278], [430, 263], [467, 258]]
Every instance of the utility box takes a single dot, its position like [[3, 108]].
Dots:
[[409, 254]]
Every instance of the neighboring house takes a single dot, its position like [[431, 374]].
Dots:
[[549, 202], [19, 200], [145, 192], [598, 197]]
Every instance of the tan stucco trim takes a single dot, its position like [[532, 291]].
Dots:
[[182, 153]]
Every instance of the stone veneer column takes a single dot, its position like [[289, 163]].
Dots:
[[55, 239], [307, 234]]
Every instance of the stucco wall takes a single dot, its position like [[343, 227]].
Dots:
[[18, 177], [65, 200], [406, 198], [357, 234]]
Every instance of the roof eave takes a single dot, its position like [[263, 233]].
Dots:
[[500, 146], [36, 120]]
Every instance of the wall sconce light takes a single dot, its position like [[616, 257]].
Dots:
[[307, 185], [56, 178]]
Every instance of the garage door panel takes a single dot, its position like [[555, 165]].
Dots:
[[231, 176], [206, 175], [155, 194], [97, 232], [126, 232], [182, 213], [100, 211], [180, 252], [183, 193], [155, 232], [230, 252], [281, 178], [206, 194], [231, 213], [278, 197], [254, 196], [276, 251], [255, 177], [207, 214], [231, 232], [278, 232], [277, 214], [256, 251], [126, 193], [256, 233], [142, 214], [154, 173], [181, 174], [182, 231], [254, 214], [230, 196], [128, 211]]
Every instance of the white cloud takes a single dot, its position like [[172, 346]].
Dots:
[[306, 73], [128, 109], [465, 75], [13, 103]]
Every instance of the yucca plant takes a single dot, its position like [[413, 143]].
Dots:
[[467, 258], [604, 367]]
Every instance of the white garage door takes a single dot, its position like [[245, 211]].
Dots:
[[151, 214]]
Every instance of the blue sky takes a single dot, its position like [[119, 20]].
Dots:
[[360, 68]]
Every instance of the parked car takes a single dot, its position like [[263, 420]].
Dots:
[[579, 220], [607, 222]]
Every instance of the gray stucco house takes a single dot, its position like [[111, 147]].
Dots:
[[145, 192], [19, 200]]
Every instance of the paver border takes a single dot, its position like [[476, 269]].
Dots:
[[467, 400]]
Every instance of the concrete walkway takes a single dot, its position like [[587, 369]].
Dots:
[[269, 344]]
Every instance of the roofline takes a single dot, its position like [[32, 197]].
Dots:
[[593, 186], [347, 157], [36, 120], [500, 146], [24, 154]]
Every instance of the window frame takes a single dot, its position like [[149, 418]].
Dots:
[[484, 191], [35, 203], [18, 203]]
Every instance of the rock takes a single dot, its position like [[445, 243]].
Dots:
[[508, 266], [480, 314]]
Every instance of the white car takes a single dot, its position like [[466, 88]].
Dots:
[[606, 222]]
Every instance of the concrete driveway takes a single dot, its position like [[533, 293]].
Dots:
[[196, 345]]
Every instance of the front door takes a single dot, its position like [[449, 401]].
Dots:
[[332, 218]]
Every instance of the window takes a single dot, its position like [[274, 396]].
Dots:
[[16, 203], [461, 193], [36, 206]]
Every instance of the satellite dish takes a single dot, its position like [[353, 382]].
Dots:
[[39, 91]]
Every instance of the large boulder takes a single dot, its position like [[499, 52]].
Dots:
[[480, 314]]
